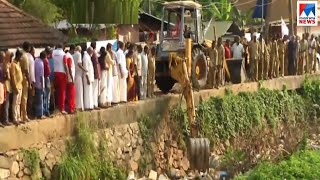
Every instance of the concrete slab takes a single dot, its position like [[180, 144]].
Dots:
[[61, 127]]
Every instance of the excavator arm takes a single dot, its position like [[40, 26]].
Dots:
[[198, 148], [179, 72]]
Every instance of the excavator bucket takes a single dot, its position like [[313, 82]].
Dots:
[[199, 154]]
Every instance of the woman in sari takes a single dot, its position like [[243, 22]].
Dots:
[[132, 90]]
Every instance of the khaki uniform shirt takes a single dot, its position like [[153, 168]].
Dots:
[[303, 45], [213, 54], [274, 48], [151, 64], [254, 49], [263, 47], [221, 55], [16, 75], [267, 50], [281, 47], [24, 63]]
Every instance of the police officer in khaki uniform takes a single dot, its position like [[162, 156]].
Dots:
[[254, 49], [286, 53], [220, 63], [267, 48], [312, 54], [24, 63], [274, 65], [303, 51], [262, 57], [281, 51], [213, 54], [151, 72], [298, 56], [317, 51]]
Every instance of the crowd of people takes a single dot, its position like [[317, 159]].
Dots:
[[264, 59], [63, 81]]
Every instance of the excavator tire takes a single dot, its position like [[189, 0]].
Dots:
[[199, 154], [199, 71], [165, 84]]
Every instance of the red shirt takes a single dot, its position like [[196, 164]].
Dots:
[[46, 68], [227, 51]]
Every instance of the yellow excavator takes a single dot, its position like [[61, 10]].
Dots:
[[181, 58]]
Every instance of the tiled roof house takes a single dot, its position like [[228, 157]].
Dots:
[[16, 26]]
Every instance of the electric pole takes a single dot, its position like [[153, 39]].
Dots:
[[291, 28], [262, 15]]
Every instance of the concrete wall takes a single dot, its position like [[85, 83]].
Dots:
[[61, 127]]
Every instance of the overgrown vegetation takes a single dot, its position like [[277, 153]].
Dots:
[[32, 161], [147, 128], [302, 165], [84, 159], [223, 118], [311, 91]]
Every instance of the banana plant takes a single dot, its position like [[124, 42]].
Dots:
[[222, 10]]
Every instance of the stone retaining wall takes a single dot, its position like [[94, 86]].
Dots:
[[124, 146], [60, 127]]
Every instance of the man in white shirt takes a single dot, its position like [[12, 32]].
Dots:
[[32, 80], [237, 49], [79, 71], [88, 79], [123, 72], [60, 76], [144, 71], [138, 65]]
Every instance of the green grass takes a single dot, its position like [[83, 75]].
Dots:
[[32, 161], [301, 165], [84, 160]]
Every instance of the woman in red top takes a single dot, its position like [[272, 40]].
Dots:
[[227, 49]]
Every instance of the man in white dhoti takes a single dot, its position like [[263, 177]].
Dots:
[[116, 75], [88, 79], [123, 72], [80, 70], [106, 64], [97, 76], [110, 62], [144, 71]]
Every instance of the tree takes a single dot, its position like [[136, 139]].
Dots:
[[42, 9], [100, 11]]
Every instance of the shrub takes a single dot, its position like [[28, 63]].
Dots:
[[223, 118], [84, 160], [302, 165]]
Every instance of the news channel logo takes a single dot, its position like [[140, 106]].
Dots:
[[307, 14]]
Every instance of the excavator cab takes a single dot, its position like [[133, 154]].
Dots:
[[181, 20]]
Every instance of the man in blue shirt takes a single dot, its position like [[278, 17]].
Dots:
[[52, 90]]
